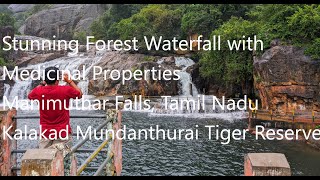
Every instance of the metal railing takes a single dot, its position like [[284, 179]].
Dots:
[[76, 148], [294, 116]]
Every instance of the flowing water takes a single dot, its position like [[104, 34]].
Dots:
[[83, 63], [185, 77], [163, 157], [182, 157], [186, 80]]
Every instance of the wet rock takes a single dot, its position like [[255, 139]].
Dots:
[[82, 48], [38, 58], [125, 61]]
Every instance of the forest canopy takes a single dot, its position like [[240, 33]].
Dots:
[[297, 25]]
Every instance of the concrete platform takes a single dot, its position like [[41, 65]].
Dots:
[[266, 164], [42, 162]]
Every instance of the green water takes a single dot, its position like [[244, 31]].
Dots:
[[196, 157]]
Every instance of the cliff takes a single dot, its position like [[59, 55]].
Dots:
[[62, 20], [287, 80]]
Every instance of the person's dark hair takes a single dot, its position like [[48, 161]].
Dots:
[[51, 75]]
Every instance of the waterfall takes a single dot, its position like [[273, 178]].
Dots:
[[70, 62], [203, 104], [20, 89], [6, 90], [186, 79], [200, 107]]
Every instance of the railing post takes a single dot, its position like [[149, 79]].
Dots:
[[313, 116], [114, 167], [7, 160], [293, 114]]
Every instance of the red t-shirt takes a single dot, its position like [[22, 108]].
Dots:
[[52, 116]]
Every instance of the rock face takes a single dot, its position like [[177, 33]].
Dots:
[[63, 20], [38, 58], [17, 8], [124, 61], [287, 80]]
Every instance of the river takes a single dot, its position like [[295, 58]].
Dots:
[[181, 157], [163, 157]]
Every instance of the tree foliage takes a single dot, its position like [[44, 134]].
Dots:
[[103, 28], [297, 25], [152, 20], [6, 20], [232, 66], [203, 18]]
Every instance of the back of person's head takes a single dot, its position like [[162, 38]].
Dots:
[[51, 75]]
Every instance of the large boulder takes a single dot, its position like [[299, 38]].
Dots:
[[34, 59], [18, 8], [287, 80], [125, 61], [63, 20]]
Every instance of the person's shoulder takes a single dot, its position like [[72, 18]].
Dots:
[[64, 87], [38, 88]]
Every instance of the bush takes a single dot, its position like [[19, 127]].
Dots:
[[203, 18], [103, 28], [81, 36], [149, 58], [231, 66], [304, 24], [2, 62], [313, 50], [297, 25], [6, 20], [157, 20]]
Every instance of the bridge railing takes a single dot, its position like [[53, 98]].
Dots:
[[297, 116], [111, 118]]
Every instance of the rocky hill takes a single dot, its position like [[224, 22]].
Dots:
[[62, 20]]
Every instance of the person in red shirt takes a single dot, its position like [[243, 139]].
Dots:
[[54, 108]]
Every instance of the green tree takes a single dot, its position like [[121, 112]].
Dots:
[[313, 49], [103, 28], [233, 67], [203, 18], [304, 24], [152, 20], [297, 25], [81, 36]]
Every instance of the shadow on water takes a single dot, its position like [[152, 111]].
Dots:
[[181, 157]]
